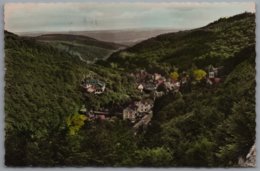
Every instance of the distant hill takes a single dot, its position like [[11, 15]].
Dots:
[[125, 37], [213, 43], [79, 39], [86, 48]]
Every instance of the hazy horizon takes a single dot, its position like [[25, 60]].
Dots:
[[103, 30], [69, 17], [124, 36]]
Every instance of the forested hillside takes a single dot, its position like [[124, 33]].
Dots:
[[212, 44], [86, 48], [203, 126], [199, 126], [42, 90], [209, 126]]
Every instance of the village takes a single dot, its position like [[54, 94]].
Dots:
[[151, 86]]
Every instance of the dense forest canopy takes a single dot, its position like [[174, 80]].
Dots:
[[200, 126], [212, 44]]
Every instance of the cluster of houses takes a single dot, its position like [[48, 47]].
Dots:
[[102, 114], [145, 83], [137, 110], [214, 73], [150, 82], [93, 86]]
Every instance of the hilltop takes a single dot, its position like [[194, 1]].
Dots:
[[213, 43], [87, 48], [126, 37], [78, 39]]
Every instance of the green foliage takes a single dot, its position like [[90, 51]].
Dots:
[[174, 75], [42, 90], [199, 74], [155, 157], [199, 153], [84, 51], [75, 122], [83, 47], [213, 43], [206, 126], [212, 127], [78, 39]]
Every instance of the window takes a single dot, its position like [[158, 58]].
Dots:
[[211, 74]]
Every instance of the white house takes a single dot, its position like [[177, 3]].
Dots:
[[140, 87], [144, 106], [129, 113], [94, 86], [157, 76], [211, 74]]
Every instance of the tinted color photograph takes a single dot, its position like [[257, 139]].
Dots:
[[130, 84]]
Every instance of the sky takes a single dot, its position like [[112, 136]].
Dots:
[[46, 17]]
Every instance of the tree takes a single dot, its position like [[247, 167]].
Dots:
[[75, 122], [153, 157], [199, 74], [174, 75]]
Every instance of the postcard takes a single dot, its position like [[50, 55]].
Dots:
[[147, 84]]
